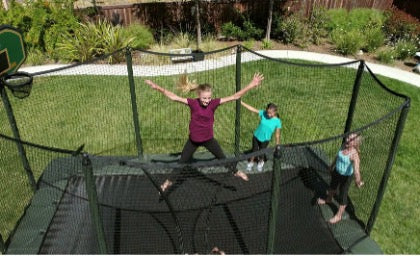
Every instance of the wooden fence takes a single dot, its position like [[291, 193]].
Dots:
[[215, 13]]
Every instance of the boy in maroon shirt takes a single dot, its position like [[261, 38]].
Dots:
[[202, 120]]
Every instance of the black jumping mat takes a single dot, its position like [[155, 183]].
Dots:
[[201, 213]]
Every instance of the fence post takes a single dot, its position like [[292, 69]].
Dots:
[[16, 134], [134, 109], [238, 102], [388, 167], [356, 87], [93, 204], [275, 197]]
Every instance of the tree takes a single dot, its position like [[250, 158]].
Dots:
[[269, 20], [197, 22], [5, 4]]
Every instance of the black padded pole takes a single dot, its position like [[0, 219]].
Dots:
[[16, 134], [238, 102], [93, 204], [134, 102], [355, 94], [275, 198], [388, 167]]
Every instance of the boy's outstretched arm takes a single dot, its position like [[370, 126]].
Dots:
[[258, 78], [172, 96], [250, 108]]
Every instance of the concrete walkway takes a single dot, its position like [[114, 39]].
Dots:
[[190, 67]]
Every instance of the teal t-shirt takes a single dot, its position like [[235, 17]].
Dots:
[[343, 165], [266, 127]]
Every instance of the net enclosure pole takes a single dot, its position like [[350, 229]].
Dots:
[[355, 94], [275, 198], [93, 203], [134, 108], [238, 102], [16, 134], [388, 167]]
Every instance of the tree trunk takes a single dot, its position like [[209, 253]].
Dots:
[[197, 22], [269, 20], [5, 5]]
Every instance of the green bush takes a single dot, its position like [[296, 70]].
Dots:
[[374, 38], [347, 42], [356, 19], [249, 44], [266, 44], [246, 32], [92, 40], [251, 31], [405, 49], [317, 23], [35, 57], [386, 56], [401, 26], [336, 18], [142, 36], [81, 45], [288, 29], [231, 31]]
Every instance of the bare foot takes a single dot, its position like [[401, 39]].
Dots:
[[241, 175], [216, 250], [335, 219], [321, 201], [165, 185]]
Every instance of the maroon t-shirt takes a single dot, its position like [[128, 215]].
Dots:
[[202, 119]]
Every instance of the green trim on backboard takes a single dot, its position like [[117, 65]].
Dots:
[[12, 41]]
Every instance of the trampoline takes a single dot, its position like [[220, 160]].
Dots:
[[106, 198]]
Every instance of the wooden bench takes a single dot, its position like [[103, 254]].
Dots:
[[181, 51]]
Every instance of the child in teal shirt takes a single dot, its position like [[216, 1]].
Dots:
[[269, 123]]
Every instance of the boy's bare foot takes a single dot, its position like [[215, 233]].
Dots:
[[335, 219], [216, 250], [321, 201], [241, 175], [165, 185]]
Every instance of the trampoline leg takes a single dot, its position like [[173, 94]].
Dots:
[[93, 204], [275, 195], [117, 231], [2, 246]]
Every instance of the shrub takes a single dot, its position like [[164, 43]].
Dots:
[[142, 37], [401, 26], [251, 31], [374, 38], [386, 56], [35, 57], [288, 29], [356, 19], [405, 49], [182, 40], [246, 32], [317, 23], [266, 44], [347, 42], [81, 45], [231, 31], [249, 43], [336, 18]]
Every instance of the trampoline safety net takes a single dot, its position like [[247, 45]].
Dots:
[[84, 156]]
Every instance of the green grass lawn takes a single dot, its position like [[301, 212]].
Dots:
[[67, 111]]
